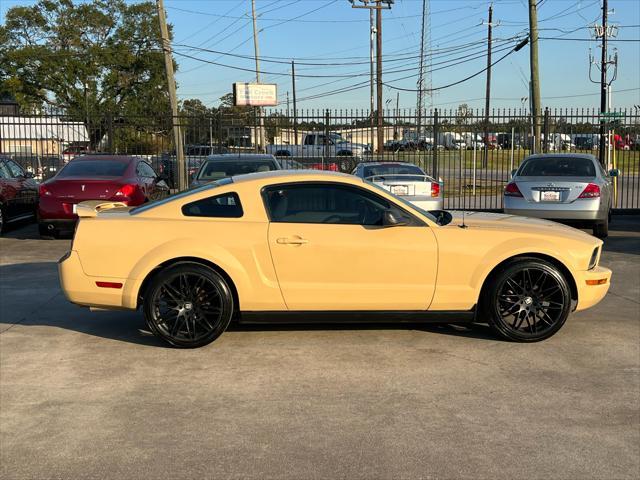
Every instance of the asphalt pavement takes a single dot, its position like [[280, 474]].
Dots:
[[93, 395]]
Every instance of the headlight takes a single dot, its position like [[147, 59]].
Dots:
[[594, 258]]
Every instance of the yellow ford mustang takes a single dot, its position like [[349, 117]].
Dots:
[[304, 245]]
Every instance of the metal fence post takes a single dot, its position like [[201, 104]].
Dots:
[[545, 147], [326, 137], [110, 133], [435, 144]]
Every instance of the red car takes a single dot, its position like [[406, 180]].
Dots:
[[18, 193], [125, 179]]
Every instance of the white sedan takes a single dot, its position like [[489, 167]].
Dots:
[[406, 180]]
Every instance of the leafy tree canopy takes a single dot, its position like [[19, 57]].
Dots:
[[88, 58]]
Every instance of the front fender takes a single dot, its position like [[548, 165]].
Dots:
[[517, 247]]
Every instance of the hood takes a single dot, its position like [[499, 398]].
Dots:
[[515, 223]]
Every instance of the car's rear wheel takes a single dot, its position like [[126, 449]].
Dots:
[[527, 301], [601, 229], [188, 305]]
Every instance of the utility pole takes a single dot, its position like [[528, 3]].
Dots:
[[379, 80], [603, 82], [378, 6], [487, 100], [171, 84], [257, 56], [421, 79], [295, 109], [535, 78], [604, 31], [372, 34]]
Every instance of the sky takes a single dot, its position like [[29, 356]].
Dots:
[[336, 36]]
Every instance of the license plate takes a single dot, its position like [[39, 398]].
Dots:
[[550, 196], [400, 189]]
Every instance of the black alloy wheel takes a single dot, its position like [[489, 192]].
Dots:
[[188, 305], [527, 301]]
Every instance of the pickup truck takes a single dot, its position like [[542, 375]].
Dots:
[[320, 145]]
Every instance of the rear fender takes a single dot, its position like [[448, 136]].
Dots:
[[184, 248]]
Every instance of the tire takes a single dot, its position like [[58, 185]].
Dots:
[[46, 233], [201, 298], [2, 219], [601, 229], [528, 300]]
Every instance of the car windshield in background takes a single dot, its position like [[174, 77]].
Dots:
[[558, 167], [379, 172], [177, 196], [94, 168], [216, 169]]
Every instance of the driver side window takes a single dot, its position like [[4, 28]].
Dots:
[[324, 203]]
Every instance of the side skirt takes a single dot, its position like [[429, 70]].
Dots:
[[332, 317]]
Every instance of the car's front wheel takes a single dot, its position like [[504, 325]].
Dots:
[[188, 305], [527, 301]]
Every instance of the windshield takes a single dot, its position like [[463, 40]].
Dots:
[[336, 137], [177, 196], [406, 172], [217, 169], [404, 202], [557, 167], [94, 168]]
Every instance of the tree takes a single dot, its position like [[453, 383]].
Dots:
[[95, 60], [463, 114]]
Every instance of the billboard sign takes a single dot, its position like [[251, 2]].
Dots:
[[255, 94]]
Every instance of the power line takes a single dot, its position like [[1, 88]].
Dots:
[[459, 81], [396, 58]]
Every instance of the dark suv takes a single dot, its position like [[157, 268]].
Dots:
[[18, 193]]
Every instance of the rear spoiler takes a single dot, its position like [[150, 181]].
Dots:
[[91, 208]]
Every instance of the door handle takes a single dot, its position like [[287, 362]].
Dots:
[[292, 240]]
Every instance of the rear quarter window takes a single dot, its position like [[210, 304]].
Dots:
[[226, 205]]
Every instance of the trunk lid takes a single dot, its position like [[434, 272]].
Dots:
[[552, 189], [409, 185], [79, 189]]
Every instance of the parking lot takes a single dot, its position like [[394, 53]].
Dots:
[[93, 395]]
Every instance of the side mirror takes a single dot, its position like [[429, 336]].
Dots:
[[393, 218], [614, 172]]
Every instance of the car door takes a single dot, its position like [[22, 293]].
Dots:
[[8, 192], [26, 192], [331, 252]]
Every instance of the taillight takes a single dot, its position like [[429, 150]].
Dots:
[[435, 189], [126, 190], [591, 191], [44, 190], [512, 190]]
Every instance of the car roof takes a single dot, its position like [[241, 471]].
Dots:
[[375, 164], [296, 176], [586, 156], [241, 156], [111, 158]]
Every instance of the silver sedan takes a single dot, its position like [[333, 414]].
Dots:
[[571, 188]]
